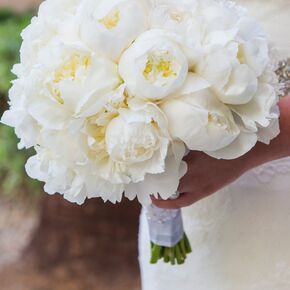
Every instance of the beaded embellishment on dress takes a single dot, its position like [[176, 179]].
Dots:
[[283, 73]]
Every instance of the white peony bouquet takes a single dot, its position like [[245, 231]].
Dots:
[[113, 93]]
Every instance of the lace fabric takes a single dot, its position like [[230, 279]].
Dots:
[[265, 173]]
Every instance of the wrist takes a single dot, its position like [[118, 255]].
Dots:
[[284, 137]]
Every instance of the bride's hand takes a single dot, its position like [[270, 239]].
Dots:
[[207, 175]]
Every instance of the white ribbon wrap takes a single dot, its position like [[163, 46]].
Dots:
[[165, 225]]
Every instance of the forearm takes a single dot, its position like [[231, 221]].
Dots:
[[282, 142], [279, 147], [284, 137], [206, 175]]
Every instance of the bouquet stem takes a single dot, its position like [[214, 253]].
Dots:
[[168, 239], [174, 255]]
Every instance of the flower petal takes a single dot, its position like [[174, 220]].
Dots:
[[243, 144], [259, 109], [241, 87]]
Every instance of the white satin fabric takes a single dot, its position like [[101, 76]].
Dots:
[[241, 235]]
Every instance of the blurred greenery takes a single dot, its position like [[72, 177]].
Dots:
[[11, 26], [13, 179]]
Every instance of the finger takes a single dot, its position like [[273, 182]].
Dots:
[[193, 155], [189, 183], [184, 200], [186, 185]]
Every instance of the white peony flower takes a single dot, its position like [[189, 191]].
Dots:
[[258, 121], [259, 110], [236, 53], [220, 15], [181, 18], [117, 150], [255, 54], [233, 81], [109, 27], [135, 143], [56, 19], [71, 82], [201, 121], [129, 147], [63, 164], [177, 17], [155, 66], [26, 128], [52, 170], [164, 184], [241, 145], [171, 15]]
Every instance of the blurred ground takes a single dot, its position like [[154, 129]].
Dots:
[[17, 222], [62, 246]]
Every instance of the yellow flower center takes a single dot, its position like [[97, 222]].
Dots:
[[57, 95], [156, 67], [240, 55], [98, 147], [176, 16], [111, 20], [68, 70], [209, 117], [218, 120], [97, 126]]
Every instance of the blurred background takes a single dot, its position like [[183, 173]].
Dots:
[[45, 242]]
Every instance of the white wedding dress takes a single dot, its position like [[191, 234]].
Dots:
[[241, 235]]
